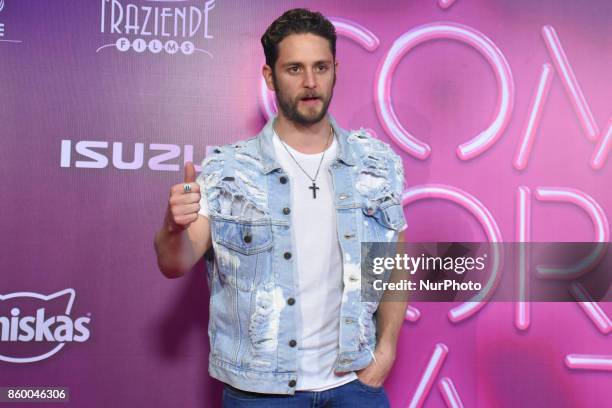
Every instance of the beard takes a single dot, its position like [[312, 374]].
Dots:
[[309, 114]]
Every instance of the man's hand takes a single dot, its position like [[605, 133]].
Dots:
[[183, 206], [378, 370], [184, 236]]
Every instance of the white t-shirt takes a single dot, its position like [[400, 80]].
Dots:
[[318, 261]]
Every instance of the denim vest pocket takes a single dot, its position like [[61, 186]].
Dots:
[[245, 237], [243, 251]]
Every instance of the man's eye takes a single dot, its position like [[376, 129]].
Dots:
[[294, 69], [322, 67]]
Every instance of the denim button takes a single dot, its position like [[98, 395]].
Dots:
[[292, 343], [286, 210], [292, 383], [217, 151], [343, 196], [290, 301], [247, 238], [283, 179], [287, 255]]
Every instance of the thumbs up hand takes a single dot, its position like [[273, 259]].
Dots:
[[184, 201]]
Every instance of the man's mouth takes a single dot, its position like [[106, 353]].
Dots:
[[310, 100]]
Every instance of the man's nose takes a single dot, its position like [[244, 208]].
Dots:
[[310, 79]]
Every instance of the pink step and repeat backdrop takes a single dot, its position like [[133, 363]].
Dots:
[[500, 109]]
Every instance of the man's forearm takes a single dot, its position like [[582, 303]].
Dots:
[[175, 253], [391, 310], [389, 320]]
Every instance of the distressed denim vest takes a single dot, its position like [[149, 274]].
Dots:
[[253, 300]]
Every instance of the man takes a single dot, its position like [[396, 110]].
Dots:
[[285, 213]]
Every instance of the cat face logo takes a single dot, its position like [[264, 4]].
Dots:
[[34, 327]]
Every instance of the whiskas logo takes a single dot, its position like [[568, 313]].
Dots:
[[28, 329], [139, 28]]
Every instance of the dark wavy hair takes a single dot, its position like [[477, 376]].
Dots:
[[296, 21]]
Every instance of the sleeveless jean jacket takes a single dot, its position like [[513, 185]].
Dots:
[[253, 301]]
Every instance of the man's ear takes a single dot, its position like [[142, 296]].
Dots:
[[336, 64], [266, 72]]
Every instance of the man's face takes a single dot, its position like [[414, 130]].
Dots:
[[304, 77]]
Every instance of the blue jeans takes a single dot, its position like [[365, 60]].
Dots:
[[350, 395]]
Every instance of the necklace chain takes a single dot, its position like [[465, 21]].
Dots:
[[298, 163]]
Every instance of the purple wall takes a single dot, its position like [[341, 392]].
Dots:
[[70, 219]]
